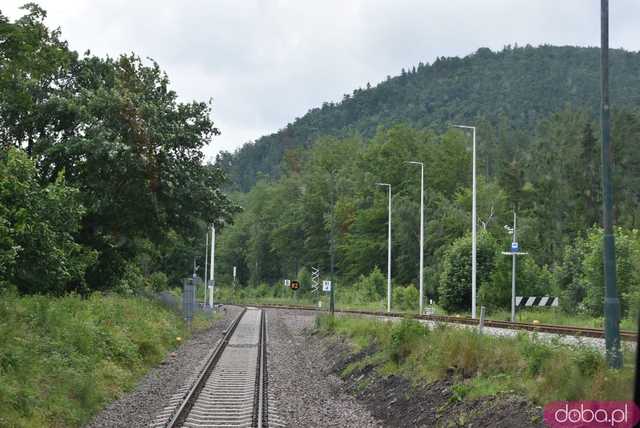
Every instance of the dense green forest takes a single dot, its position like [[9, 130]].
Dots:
[[103, 185], [519, 86], [102, 179], [553, 182], [538, 154]]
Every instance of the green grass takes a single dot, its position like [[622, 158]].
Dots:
[[62, 359], [483, 365], [543, 315], [556, 316], [288, 297]]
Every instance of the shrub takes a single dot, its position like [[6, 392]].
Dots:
[[406, 298], [589, 361], [580, 274], [304, 276], [325, 323], [37, 225], [263, 290], [404, 336], [531, 280], [367, 289], [132, 279], [455, 279], [158, 281], [372, 287], [536, 355]]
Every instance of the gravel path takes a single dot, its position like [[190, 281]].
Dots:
[[139, 407], [305, 393]]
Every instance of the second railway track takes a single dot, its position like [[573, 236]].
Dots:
[[231, 390], [598, 333]]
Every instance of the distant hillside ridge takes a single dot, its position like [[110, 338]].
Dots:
[[523, 84]]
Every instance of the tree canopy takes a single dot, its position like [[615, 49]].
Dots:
[[109, 137], [518, 86]]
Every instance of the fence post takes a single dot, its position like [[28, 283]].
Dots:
[[481, 325]]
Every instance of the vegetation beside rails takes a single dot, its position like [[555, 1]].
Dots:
[[482, 365], [557, 317], [247, 296], [553, 316], [62, 359]]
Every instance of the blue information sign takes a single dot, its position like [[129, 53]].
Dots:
[[514, 247]]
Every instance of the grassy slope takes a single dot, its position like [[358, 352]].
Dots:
[[484, 365], [62, 359]]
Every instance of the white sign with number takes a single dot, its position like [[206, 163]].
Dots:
[[287, 282], [326, 285]]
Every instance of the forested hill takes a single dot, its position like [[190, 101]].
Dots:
[[519, 84]]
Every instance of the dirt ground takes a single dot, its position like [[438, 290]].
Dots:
[[397, 403]]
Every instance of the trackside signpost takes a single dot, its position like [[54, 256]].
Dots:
[[515, 251], [315, 279]]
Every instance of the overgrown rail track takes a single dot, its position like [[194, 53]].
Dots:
[[543, 328], [231, 390]]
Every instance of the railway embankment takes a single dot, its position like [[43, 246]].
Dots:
[[63, 359], [408, 374]]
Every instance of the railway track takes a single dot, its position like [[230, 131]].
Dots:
[[628, 336], [231, 389]]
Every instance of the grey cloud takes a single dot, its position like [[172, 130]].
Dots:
[[265, 62]]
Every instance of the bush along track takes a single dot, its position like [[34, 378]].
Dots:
[[410, 375], [62, 359]]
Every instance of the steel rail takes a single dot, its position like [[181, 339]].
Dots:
[[625, 335], [261, 413], [182, 412]]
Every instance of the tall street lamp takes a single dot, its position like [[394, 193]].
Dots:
[[421, 231], [388, 250], [474, 237], [212, 270], [206, 259]]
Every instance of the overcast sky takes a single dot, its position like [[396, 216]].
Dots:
[[266, 62]]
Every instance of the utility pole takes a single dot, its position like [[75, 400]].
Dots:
[[234, 276], [513, 271], [212, 270], [474, 222], [421, 279], [206, 256], [388, 250], [332, 246], [611, 301]]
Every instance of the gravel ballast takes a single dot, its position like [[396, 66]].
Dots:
[[139, 407], [305, 393]]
